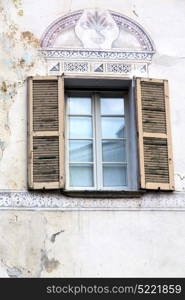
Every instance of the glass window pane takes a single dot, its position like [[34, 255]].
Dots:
[[112, 106], [81, 175], [114, 175], [80, 105], [113, 127], [80, 127], [80, 151], [114, 151]]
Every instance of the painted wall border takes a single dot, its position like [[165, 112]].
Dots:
[[25, 200], [120, 55]]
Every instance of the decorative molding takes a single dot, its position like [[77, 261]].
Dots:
[[119, 68], [76, 67], [97, 29], [90, 25], [58, 26], [55, 68], [128, 69], [68, 21], [98, 54], [98, 67], [56, 201], [136, 29]]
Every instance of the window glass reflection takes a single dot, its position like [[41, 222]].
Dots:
[[113, 127], [114, 151], [80, 151], [80, 105], [114, 175], [80, 127], [81, 175], [112, 106]]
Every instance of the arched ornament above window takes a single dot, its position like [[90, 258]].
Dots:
[[96, 40]]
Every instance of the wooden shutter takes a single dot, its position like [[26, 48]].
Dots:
[[154, 136], [46, 132]]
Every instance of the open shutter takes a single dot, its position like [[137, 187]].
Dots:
[[154, 134], [46, 132]]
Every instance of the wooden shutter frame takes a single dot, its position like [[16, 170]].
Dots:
[[142, 134], [59, 133]]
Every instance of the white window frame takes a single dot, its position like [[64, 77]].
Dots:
[[97, 145]]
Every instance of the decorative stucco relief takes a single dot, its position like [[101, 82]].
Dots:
[[97, 36], [97, 67], [97, 29], [98, 24]]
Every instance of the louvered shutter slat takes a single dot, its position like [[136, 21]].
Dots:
[[45, 93], [154, 136], [46, 133], [45, 159]]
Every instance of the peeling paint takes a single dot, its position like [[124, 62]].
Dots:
[[48, 264], [14, 272], [2, 148], [3, 87], [20, 12], [30, 38], [8, 90], [18, 56], [17, 3], [18, 6]]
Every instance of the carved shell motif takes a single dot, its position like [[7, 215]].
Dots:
[[98, 23], [97, 29]]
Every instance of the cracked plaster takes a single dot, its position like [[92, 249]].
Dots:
[[136, 244]]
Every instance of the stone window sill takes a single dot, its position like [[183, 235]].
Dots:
[[103, 194]]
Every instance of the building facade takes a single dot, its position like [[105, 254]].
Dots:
[[91, 138]]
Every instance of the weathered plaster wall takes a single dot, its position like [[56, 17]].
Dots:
[[74, 244], [137, 243]]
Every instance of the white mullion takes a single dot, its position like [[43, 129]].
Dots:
[[67, 142], [93, 108], [126, 109], [99, 173]]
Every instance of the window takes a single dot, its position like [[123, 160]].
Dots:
[[97, 140], [111, 134]]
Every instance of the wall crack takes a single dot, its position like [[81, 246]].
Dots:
[[53, 237]]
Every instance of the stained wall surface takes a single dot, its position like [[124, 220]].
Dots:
[[127, 242]]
